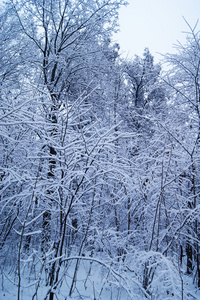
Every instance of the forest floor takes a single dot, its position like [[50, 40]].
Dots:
[[92, 282]]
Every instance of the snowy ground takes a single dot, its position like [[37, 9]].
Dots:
[[94, 281]]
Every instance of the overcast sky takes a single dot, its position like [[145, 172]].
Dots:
[[156, 24]]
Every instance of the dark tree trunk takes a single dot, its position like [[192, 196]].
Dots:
[[46, 225], [189, 253]]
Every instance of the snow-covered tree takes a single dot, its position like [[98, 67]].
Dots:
[[184, 83]]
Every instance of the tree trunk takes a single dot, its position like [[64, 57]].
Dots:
[[189, 254]]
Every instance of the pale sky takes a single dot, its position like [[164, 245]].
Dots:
[[156, 24]]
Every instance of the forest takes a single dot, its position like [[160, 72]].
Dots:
[[99, 158]]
